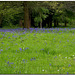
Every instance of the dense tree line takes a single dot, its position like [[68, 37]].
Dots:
[[41, 14]]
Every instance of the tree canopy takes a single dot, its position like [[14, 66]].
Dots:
[[36, 13]]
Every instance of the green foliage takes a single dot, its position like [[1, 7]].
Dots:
[[12, 12], [9, 11], [41, 15]]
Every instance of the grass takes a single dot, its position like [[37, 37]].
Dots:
[[31, 52]]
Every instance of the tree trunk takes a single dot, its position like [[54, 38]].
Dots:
[[65, 24], [40, 24], [40, 21], [55, 23], [1, 21], [20, 23], [50, 21], [26, 16]]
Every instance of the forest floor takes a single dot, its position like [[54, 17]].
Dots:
[[37, 51]]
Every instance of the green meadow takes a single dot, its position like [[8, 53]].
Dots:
[[48, 52]]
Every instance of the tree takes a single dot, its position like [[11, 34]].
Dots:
[[8, 10], [26, 15]]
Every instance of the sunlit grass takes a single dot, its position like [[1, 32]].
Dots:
[[31, 52]]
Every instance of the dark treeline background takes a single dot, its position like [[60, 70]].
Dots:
[[42, 14]]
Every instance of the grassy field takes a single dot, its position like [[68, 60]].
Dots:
[[37, 51]]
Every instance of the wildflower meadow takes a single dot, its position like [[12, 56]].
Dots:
[[37, 51]]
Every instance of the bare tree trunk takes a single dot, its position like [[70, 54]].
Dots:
[[65, 24], [1, 21], [26, 16], [50, 21], [20, 23], [40, 22], [55, 23]]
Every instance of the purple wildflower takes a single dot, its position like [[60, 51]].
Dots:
[[16, 44], [54, 39], [23, 32], [59, 33], [67, 40], [2, 43], [20, 49], [1, 49], [69, 65], [31, 59], [34, 34], [20, 72], [36, 51], [73, 33], [23, 60], [42, 49], [67, 73], [26, 48], [8, 37], [48, 52], [8, 62], [50, 64], [12, 63]]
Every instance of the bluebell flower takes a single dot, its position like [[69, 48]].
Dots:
[[1, 49], [23, 32], [14, 67], [57, 29], [42, 49], [48, 52], [54, 38], [8, 62], [16, 44], [34, 34], [20, 72], [56, 56], [2, 43], [26, 48], [20, 48], [73, 33], [50, 64], [69, 65], [31, 59], [67, 40], [8, 47], [23, 60], [8, 37], [59, 33], [67, 73], [12, 63]]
